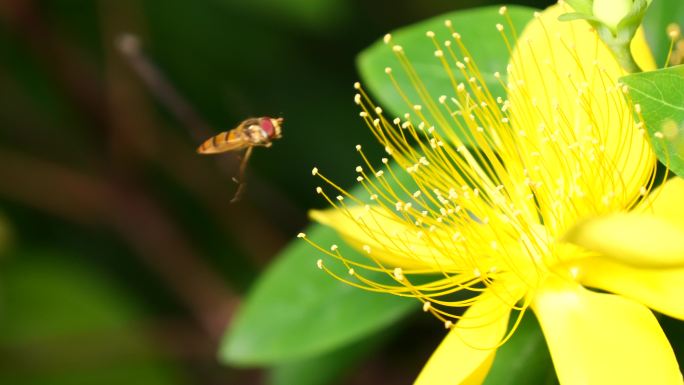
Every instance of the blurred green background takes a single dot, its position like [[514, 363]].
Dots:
[[121, 259]]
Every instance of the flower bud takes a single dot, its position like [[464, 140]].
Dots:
[[611, 12]]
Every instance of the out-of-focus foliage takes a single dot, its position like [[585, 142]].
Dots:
[[661, 13], [66, 323]]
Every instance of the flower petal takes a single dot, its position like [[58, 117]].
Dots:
[[467, 352], [634, 239], [387, 237], [574, 132], [394, 241], [661, 289], [667, 202], [601, 339]]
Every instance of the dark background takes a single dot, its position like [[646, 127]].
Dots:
[[121, 258]]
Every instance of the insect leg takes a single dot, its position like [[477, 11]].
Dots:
[[241, 173]]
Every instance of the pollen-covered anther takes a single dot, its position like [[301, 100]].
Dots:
[[378, 110], [439, 53], [319, 190], [407, 206], [366, 248], [637, 108], [398, 48], [387, 38], [442, 99], [384, 160], [388, 70], [340, 198], [460, 65], [658, 135], [674, 31], [376, 122], [448, 324], [430, 34], [417, 107], [363, 114], [426, 306], [358, 147], [301, 235], [314, 171], [359, 169], [500, 27], [398, 274], [359, 178], [319, 264], [379, 173], [503, 10], [448, 23], [373, 197], [357, 99], [357, 85], [456, 35], [333, 247], [351, 271]]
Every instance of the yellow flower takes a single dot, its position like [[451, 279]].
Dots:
[[551, 194]]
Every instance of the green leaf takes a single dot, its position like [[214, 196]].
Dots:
[[524, 359], [661, 97], [297, 311], [660, 14], [479, 34], [327, 368], [315, 313], [583, 6]]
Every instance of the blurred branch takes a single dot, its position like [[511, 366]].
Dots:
[[67, 65], [156, 82], [139, 220], [55, 189]]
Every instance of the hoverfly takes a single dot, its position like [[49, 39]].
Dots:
[[248, 134]]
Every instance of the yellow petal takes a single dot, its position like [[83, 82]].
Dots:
[[639, 240], [642, 52], [603, 339], [667, 202], [573, 130], [661, 289], [396, 242], [467, 352]]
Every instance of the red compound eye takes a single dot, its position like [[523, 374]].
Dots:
[[267, 125]]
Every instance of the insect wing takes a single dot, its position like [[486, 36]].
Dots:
[[226, 141]]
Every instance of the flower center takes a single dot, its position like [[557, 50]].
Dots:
[[456, 213]]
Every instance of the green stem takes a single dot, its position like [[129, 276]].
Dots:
[[624, 56]]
